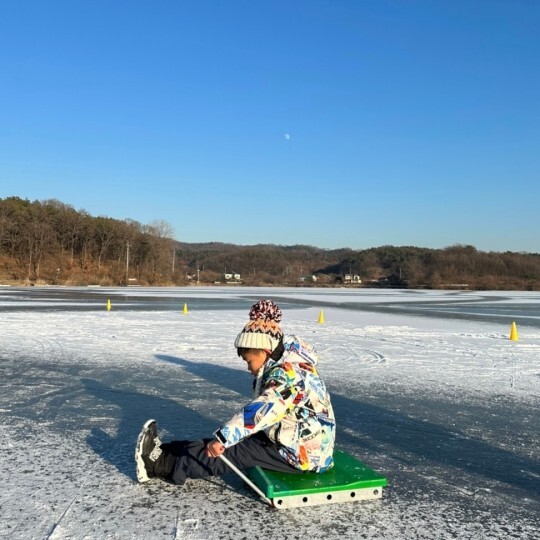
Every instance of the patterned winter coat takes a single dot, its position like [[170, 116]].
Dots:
[[291, 405]]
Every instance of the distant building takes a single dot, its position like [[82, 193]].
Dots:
[[311, 278], [352, 278], [232, 278]]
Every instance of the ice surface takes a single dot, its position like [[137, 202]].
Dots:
[[446, 408]]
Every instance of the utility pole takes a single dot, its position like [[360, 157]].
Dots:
[[127, 263], [173, 258]]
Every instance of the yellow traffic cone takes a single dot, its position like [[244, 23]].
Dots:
[[185, 310], [109, 305], [513, 332], [320, 320]]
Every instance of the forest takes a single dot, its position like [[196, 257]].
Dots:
[[50, 243]]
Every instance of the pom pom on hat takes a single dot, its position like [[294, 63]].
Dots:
[[263, 330], [266, 310]]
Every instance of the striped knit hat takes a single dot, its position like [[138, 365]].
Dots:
[[263, 330]]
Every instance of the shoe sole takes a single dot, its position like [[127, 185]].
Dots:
[[142, 475]]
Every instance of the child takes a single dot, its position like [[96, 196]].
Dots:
[[288, 426]]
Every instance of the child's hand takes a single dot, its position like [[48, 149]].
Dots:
[[214, 449]]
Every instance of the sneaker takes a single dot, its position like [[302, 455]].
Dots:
[[147, 451]]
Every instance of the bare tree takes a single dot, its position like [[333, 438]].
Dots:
[[32, 234], [105, 234]]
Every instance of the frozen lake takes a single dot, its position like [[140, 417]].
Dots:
[[426, 385], [523, 307]]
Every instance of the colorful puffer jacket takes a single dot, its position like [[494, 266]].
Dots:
[[292, 407]]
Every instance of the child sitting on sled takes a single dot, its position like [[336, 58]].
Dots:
[[288, 426]]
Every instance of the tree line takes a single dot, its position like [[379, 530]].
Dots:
[[49, 242], [454, 267], [458, 266]]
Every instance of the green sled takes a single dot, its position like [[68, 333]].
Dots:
[[349, 480]]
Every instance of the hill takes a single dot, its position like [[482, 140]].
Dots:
[[49, 242]]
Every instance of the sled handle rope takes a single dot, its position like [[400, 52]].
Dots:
[[246, 480]]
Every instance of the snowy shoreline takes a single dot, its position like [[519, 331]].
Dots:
[[445, 408]]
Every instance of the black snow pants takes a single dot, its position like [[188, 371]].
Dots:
[[187, 459]]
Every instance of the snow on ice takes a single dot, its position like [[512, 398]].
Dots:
[[427, 389]]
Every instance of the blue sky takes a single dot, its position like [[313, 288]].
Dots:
[[332, 123]]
